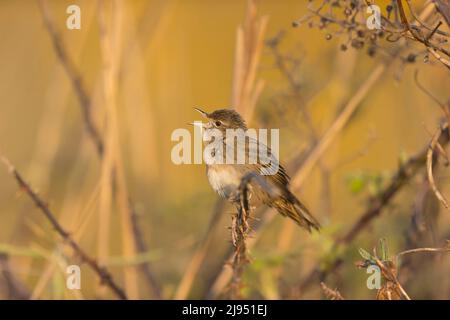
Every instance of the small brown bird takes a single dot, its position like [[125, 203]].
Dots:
[[272, 189]]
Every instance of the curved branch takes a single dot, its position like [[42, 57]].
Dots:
[[430, 152], [421, 250]]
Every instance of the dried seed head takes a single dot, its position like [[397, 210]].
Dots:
[[357, 44]]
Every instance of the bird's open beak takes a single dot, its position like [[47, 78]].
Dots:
[[197, 123], [203, 113]]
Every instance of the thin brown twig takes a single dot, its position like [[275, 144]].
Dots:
[[331, 294], [443, 107], [102, 272], [439, 148], [430, 155], [75, 78], [421, 250], [430, 47], [433, 30]]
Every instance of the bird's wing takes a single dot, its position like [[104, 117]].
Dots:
[[267, 163]]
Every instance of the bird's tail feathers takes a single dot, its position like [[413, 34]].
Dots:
[[294, 209]]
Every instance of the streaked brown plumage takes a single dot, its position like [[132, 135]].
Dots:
[[225, 178]]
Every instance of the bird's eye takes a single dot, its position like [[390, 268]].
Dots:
[[218, 123]]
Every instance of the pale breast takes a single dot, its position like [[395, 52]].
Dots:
[[224, 179]]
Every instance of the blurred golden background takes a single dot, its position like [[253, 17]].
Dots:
[[144, 65]]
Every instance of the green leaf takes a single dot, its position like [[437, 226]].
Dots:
[[384, 249], [356, 182], [365, 254]]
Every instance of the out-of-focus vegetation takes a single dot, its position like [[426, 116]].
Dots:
[[87, 115]]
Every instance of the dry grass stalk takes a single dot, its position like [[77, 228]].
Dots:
[[245, 92], [43, 280], [110, 43], [249, 45], [331, 294], [107, 177], [103, 273]]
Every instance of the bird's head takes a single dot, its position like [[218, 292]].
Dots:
[[223, 119]]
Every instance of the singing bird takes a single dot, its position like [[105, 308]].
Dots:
[[271, 188]]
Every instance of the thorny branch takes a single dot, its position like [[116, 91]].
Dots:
[[102, 272], [240, 229], [331, 294], [75, 78], [239, 232]]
